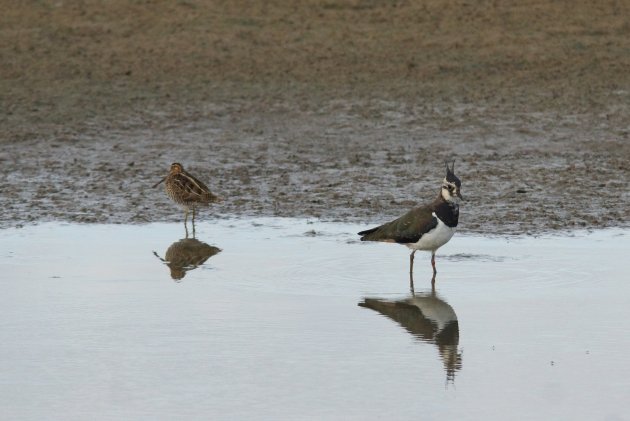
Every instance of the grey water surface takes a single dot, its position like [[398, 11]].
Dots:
[[296, 319]]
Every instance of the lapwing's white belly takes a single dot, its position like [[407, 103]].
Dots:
[[435, 238]]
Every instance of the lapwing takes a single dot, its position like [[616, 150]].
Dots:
[[426, 227]]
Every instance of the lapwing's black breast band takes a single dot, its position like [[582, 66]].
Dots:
[[448, 213]]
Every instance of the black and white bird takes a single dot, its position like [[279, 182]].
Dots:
[[426, 227]]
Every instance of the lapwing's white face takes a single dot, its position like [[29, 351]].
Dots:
[[450, 192]]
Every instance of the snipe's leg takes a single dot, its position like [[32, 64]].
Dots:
[[186, 222], [193, 221]]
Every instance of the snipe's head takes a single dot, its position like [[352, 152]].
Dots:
[[176, 168], [451, 186]]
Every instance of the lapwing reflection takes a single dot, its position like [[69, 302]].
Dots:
[[186, 254], [429, 318]]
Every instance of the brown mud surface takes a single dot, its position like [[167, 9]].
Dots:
[[342, 110]]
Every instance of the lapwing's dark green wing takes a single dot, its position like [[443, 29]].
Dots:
[[409, 228]]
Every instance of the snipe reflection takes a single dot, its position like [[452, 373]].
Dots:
[[186, 254], [429, 318]]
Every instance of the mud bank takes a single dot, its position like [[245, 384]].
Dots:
[[342, 111]]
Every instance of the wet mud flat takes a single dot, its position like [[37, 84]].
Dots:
[[338, 110], [343, 161], [289, 318]]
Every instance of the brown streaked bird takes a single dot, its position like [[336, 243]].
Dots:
[[426, 227], [186, 190]]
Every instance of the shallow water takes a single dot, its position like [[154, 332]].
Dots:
[[294, 319]]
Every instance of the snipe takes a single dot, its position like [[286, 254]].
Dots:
[[186, 190]]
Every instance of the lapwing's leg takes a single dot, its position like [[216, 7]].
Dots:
[[411, 257], [411, 286], [434, 270]]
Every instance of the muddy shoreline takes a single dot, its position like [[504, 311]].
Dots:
[[333, 164], [283, 113]]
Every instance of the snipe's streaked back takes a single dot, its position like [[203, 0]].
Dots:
[[186, 190]]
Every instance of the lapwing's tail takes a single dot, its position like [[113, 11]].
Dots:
[[365, 235]]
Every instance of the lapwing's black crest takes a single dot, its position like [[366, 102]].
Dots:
[[450, 175]]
